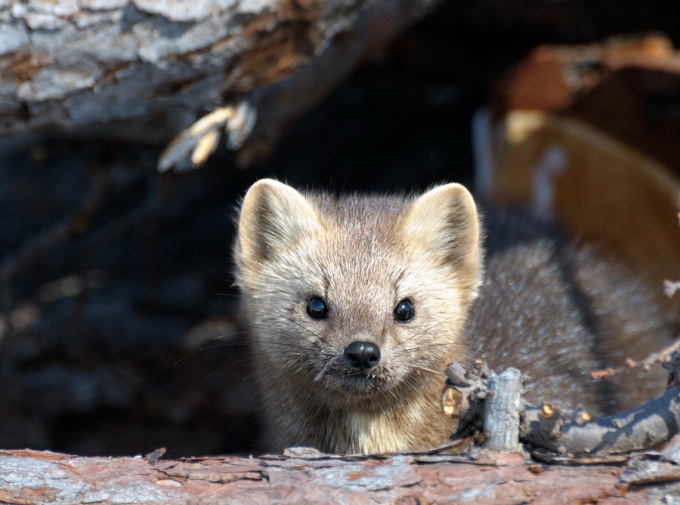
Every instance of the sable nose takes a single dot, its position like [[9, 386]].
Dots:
[[362, 355]]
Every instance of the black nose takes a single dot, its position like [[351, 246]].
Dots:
[[362, 355]]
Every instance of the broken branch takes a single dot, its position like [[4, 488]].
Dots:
[[656, 357], [563, 431]]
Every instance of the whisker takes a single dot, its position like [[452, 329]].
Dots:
[[431, 346], [424, 369], [229, 295], [191, 354], [323, 371], [231, 335], [418, 334]]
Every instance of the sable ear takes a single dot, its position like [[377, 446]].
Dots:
[[273, 218], [445, 221]]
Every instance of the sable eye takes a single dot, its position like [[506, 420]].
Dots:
[[316, 308], [404, 311]]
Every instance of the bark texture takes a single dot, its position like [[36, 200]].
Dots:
[[507, 419], [146, 70], [305, 476]]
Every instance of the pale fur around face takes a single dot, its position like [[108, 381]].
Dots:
[[362, 255]]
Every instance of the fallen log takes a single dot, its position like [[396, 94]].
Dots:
[[144, 71], [306, 476]]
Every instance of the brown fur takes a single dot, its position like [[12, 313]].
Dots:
[[557, 311], [363, 255]]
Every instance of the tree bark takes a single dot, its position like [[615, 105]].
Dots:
[[146, 70], [306, 476], [501, 418]]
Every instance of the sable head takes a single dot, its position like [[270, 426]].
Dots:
[[353, 297]]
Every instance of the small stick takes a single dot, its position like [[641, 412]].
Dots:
[[657, 357], [501, 415]]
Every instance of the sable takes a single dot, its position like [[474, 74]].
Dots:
[[342, 297], [355, 302]]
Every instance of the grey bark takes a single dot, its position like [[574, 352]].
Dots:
[[648, 425], [306, 476], [501, 416], [146, 70], [498, 403], [653, 423]]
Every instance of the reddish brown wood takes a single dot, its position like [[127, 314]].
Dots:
[[305, 476]]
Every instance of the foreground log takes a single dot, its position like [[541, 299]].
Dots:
[[306, 476]]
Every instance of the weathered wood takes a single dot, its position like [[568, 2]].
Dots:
[[653, 423], [144, 71], [306, 476], [507, 419], [501, 415]]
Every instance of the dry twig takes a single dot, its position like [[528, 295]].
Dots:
[[661, 356]]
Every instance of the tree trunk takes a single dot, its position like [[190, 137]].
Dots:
[[145, 70]]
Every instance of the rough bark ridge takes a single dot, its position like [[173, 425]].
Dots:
[[146, 70], [307, 476]]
